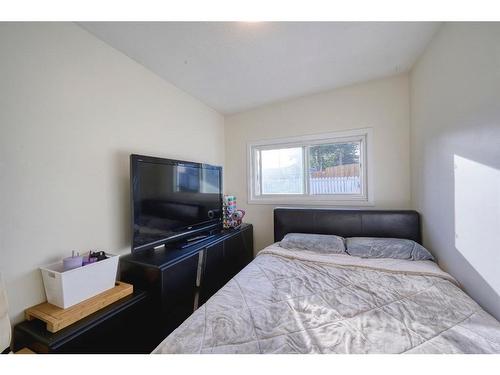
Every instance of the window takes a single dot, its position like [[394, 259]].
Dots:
[[305, 169], [282, 171]]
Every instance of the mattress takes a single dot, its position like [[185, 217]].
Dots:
[[291, 301]]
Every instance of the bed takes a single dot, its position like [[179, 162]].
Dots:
[[305, 301]]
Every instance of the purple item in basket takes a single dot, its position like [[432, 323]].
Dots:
[[70, 263], [88, 260]]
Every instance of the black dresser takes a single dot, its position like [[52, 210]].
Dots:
[[179, 280], [113, 329]]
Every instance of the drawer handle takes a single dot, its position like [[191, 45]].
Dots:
[[200, 266]]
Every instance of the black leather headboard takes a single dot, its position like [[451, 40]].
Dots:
[[347, 223]]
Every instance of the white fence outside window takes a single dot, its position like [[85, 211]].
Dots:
[[317, 185], [335, 185]]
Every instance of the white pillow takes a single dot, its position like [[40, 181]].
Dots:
[[397, 248], [321, 243]]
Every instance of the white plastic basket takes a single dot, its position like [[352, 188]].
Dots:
[[67, 288]]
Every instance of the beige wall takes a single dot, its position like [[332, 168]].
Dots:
[[382, 105], [455, 143], [72, 109]]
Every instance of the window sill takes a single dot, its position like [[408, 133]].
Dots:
[[320, 201]]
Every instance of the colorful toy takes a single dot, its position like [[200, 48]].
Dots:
[[232, 216], [237, 218]]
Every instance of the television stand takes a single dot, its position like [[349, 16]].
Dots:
[[180, 280]]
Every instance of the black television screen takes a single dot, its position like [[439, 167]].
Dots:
[[172, 199]]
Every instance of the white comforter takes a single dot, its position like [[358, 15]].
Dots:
[[295, 301]]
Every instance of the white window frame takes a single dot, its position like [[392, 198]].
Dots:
[[365, 198]]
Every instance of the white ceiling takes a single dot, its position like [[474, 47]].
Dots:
[[235, 66]]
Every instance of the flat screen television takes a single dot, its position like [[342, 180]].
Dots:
[[172, 200]]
